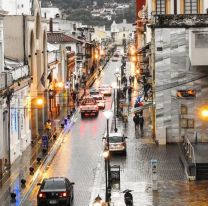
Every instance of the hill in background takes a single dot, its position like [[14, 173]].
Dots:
[[82, 10]]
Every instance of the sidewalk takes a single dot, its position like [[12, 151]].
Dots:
[[136, 171]]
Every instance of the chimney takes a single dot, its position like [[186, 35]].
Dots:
[[51, 25]]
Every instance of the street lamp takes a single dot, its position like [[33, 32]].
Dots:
[[117, 75], [106, 157], [114, 86], [108, 114]]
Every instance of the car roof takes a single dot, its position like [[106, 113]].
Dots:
[[55, 178], [117, 134], [105, 85]]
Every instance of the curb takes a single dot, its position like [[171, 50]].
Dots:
[[47, 160]]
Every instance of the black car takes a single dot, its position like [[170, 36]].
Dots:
[[55, 191]]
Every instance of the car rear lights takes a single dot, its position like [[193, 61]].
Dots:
[[42, 195], [63, 194]]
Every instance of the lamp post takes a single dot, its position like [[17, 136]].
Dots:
[[107, 115], [114, 86], [106, 157], [117, 75]]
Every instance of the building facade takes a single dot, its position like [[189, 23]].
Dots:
[[177, 31], [26, 51]]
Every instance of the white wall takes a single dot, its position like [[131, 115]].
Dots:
[[205, 6], [17, 7], [20, 132], [198, 49], [50, 12]]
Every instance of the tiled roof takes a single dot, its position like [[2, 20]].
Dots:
[[58, 37]]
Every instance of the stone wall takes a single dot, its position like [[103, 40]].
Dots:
[[174, 72]]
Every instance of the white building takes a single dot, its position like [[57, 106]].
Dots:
[[26, 51], [17, 7], [121, 32], [51, 13]]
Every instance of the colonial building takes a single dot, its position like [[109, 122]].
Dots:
[[26, 51], [178, 62], [122, 32]]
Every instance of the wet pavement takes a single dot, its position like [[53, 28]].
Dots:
[[136, 174]]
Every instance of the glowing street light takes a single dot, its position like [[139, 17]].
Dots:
[[59, 84], [39, 101], [204, 113]]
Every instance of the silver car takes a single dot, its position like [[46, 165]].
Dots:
[[117, 143]]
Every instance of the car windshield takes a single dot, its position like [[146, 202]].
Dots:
[[94, 93], [89, 101], [115, 139], [54, 184]]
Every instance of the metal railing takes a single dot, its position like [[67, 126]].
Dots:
[[188, 150]]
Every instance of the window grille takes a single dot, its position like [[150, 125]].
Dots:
[[160, 7], [191, 6]]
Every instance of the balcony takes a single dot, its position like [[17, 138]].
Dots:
[[180, 21]]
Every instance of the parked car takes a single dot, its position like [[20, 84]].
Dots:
[[101, 102], [55, 191], [89, 107], [105, 89], [117, 143], [95, 93]]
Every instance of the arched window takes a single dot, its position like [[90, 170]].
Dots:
[[31, 54], [37, 25]]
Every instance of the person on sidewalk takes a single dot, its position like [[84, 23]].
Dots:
[[129, 92], [136, 121], [124, 91], [141, 124], [130, 79]]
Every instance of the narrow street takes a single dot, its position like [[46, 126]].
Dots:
[[78, 156]]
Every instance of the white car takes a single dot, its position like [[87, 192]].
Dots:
[[89, 107], [101, 102], [117, 143], [105, 89]]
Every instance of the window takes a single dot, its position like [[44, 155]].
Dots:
[[160, 7], [190, 6], [201, 40], [175, 6]]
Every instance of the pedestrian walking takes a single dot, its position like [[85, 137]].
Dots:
[[124, 91], [136, 121], [141, 124], [130, 79], [146, 96], [129, 92], [77, 86], [124, 80]]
